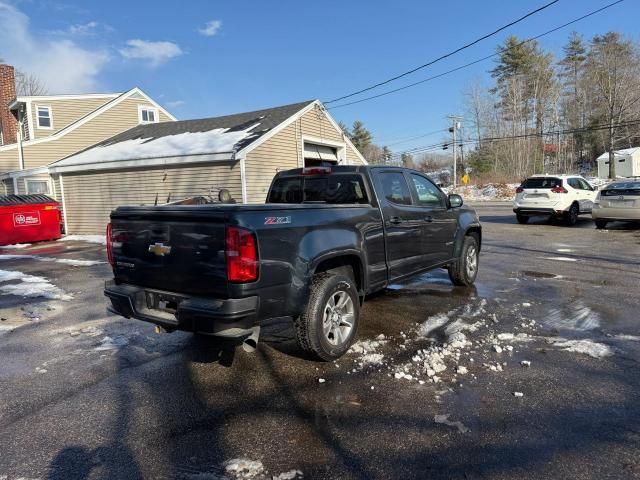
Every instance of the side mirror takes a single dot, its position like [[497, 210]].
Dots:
[[455, 200]]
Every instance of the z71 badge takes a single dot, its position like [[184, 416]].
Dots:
[[277, 220]]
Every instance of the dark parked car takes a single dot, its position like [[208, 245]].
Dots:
[[325, 239]]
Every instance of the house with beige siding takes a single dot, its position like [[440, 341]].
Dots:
[[36, 131], [157, 163]]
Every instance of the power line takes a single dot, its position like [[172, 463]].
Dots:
[[484, 37], [407, 139], [437, 146], [466, 65]]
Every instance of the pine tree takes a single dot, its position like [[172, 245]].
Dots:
[[344, 129], [360, 136], [571, 75], [386, 154]]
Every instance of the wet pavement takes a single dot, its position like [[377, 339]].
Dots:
[[531, 374]]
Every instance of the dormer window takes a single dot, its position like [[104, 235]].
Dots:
[[148, 114], [43, 114]]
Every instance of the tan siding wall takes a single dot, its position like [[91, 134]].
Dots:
[[22, 183], [283, 151], [115, 120], [7, 186], [90, 197], [57, 194], [9, 160], [280, 152], [64, 112]]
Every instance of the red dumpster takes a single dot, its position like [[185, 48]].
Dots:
[[28, 218]]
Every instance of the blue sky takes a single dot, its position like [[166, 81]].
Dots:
[[207, 58]]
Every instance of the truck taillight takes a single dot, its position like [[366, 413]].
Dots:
[[559, 190], [110, 245], [242, 255]]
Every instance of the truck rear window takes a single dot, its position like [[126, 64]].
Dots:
[[337, 188], [542, 182]]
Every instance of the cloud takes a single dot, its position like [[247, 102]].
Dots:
[[175, 103], [61, 64], [211, 28], [156, 53], [83, 29]]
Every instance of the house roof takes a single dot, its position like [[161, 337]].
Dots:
[[220, 136]]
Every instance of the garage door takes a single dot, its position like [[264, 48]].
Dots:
[[90, 197], [315, 155]]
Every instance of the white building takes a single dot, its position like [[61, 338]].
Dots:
[[627, 163]]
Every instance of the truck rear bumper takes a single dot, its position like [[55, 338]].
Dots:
[[233, 317]]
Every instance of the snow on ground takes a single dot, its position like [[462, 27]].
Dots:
[[16, 246], [108, 343], [586, 346], [101, 239], [488, 192], [242, 469], [29, 286], [66, 261], [444, 419]]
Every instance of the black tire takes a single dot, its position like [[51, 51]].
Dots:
[[522, 219], [464, 272], [600, 224], [571, 217], [311, 329]]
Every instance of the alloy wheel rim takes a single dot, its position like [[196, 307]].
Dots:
[[338, 318], [471, 261]]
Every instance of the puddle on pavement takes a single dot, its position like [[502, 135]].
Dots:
[[533, 274]]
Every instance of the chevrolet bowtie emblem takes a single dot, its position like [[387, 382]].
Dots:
[[159, 249]]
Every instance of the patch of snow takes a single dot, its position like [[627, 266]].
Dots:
[[243, 468], [444, 419], [321, 380], [66, 261], [586, 346], [432, 323], [218, 140], [526, 304], [564, 250], [101, 239], [518, 394], [16, 246], [290, 475], [631, 338], [108, 343], [30, 286], [525, 363], [497, 348], [461, 370]]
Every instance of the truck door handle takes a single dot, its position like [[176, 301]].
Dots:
[[395, 220], [428, 219]]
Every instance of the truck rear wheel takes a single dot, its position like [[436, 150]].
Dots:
[[465, 270], [329, 324]]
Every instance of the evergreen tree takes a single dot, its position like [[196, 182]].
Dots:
[[386, 154], [344, 129], [571, 74], [360, 136]]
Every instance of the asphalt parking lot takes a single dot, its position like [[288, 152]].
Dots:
[[531, 374]]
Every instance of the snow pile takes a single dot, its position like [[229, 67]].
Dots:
[[488, 192], [367, 351], [218, 140], [586, 346], [66, 261], [30, 286], [101, 239], [242, 468]]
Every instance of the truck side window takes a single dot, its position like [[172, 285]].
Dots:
[[395, 188], [427, 193]]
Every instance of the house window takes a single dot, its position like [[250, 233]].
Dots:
[[37, 186], [148, 114], [43, 114]]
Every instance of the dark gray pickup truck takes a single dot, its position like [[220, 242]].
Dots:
[[326, 238]]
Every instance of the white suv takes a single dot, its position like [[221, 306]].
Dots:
[[565, 196]]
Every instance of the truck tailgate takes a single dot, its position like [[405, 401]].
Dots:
[[175, 253]]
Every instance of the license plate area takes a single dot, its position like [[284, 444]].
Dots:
[[160, 305]]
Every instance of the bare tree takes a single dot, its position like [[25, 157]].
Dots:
[[29, 84], [613, 67]]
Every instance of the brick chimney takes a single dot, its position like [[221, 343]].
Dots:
[[8, 123]]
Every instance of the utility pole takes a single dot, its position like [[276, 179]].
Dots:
[[453, 129]]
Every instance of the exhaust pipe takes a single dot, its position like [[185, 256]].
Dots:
[[250, 343]]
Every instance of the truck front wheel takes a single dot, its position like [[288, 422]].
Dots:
[[464, 271], [329, 324]]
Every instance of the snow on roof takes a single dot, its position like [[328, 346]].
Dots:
[[619, 153], [218, 140]]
